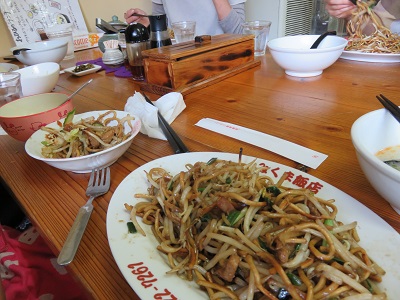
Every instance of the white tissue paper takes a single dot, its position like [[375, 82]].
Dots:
[[170, 106]]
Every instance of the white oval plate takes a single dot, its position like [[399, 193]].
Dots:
[[144, 267], [82, 164], [371, 57], [82, 73], [6, 67]]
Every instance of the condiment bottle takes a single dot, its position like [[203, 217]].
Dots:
[[159, 35], [137, 40]]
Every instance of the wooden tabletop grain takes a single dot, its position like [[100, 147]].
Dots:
[[313, 112]]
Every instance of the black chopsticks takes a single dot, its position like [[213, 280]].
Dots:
[[390, 106], [174, 140]]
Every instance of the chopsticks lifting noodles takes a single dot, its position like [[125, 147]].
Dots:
[[390, 106], [174, 140]]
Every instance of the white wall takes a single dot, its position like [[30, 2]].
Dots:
[[264, 10]]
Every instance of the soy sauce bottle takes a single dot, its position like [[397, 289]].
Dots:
[[137, 40], [159, 36]]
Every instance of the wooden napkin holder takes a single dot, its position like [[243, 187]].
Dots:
[[189, 66]]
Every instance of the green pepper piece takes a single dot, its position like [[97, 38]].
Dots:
[[273, 190], [69, 117], [235, 215], [131, 227], [296, 249], [212, 160], [206, 218], [294, 279], [264, 246], [369, 286], [170, 185]]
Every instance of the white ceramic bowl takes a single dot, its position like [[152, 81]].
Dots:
[[83, 164], [40, 78], [371, 133], [44, 51], [294, 55]]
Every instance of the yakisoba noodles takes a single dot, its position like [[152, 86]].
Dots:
[[89, 135], [239, 235], [381, 41]]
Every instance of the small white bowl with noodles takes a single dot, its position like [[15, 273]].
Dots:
[[100, 139]]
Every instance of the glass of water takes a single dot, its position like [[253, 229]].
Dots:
[[260, 30], [184, 31], [10, 87]]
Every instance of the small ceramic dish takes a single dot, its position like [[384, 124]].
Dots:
[[6, 67], [82, 73]]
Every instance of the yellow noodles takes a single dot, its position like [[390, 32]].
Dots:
[[240, 236], [381, 41], [87, 136]]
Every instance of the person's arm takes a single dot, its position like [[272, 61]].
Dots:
[[230, 17], [223, 8], [339, 8], [129, 18], [157, 9]]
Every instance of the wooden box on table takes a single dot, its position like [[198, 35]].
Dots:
[[189, 66]]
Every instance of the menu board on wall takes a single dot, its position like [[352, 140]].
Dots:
[[27, 19]]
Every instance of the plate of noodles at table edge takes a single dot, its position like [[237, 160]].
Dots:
[[236, 227], [371, 57]]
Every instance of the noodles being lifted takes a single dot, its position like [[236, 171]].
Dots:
[[239, 235], [87, 136], [381, 41]]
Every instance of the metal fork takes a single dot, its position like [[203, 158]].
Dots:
[[99, 184]]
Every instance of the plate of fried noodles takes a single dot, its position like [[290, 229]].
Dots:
[[212, 225], [380, 46], [82, 142]]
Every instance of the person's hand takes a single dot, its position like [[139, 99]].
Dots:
[[130, 19], [339, 8]]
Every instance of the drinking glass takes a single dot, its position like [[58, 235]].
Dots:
[[260, 30], [10, 87], [184, 31]]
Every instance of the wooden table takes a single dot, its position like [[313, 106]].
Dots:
[[314, 112]]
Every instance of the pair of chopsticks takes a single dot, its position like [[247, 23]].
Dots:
[[174, 140], [390, 106]]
